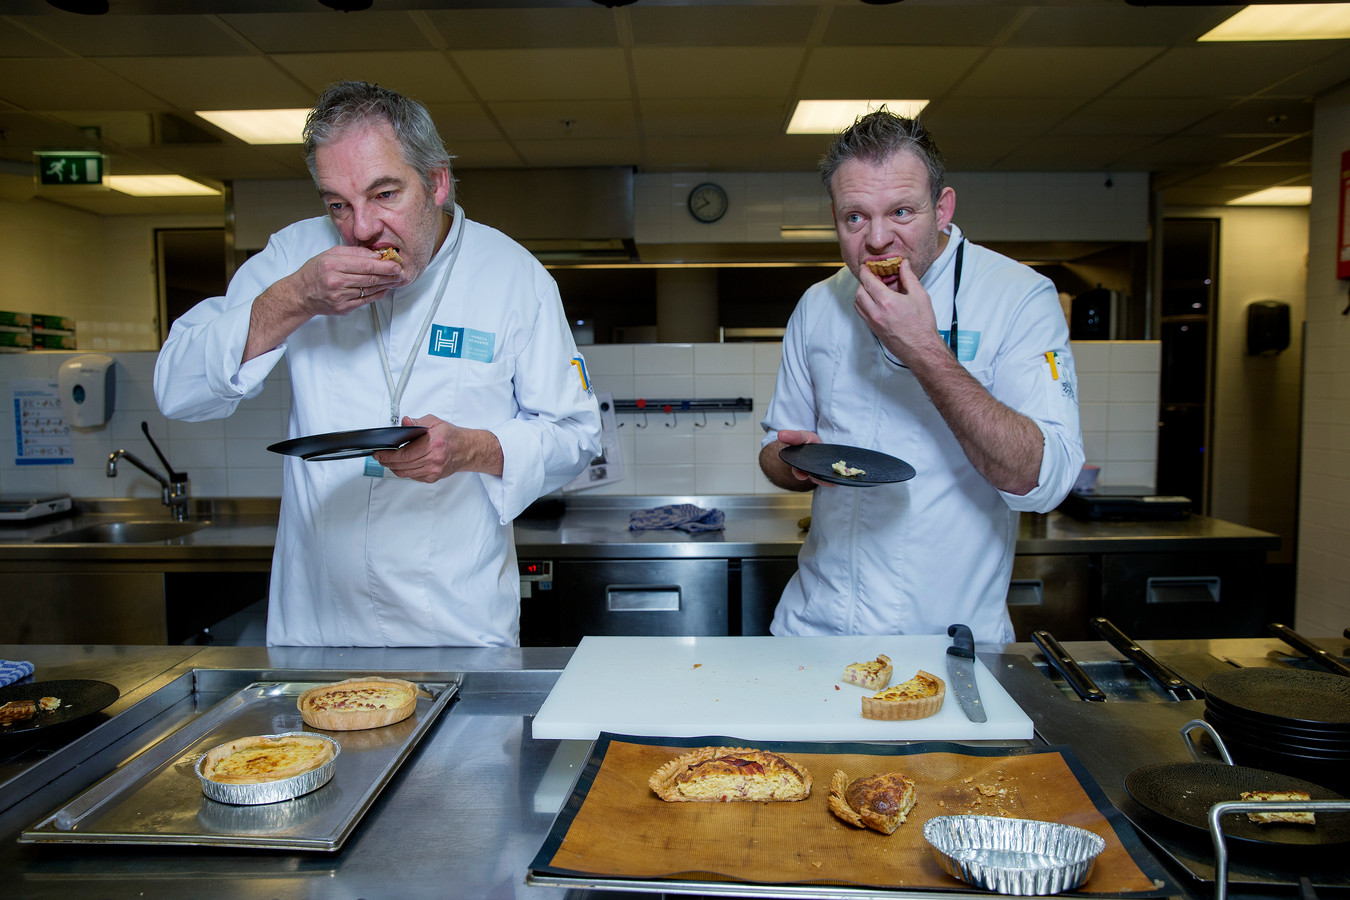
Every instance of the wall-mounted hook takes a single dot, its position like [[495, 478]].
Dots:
[[668, 410], [704, 423], [643, 423], [732, 423]]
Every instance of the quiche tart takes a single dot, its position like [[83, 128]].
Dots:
[[358, 703], [873, 675], [879, 802], [267, 757], [725, 774], [883, 267], [918, 698], [1287, 817]]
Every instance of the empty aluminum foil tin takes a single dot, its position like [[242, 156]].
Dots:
[[1013, 856], [272, 791]]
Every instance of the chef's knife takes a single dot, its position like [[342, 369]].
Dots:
[[961, 671]]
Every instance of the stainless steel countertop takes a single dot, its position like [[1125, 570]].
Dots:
[[243, 532], [472, 805]]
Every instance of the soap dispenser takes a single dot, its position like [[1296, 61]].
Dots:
[[87, 385]]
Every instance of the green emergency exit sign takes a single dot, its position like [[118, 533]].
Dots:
[[70, 168]]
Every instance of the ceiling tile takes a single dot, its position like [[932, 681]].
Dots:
[[716, 71], [329, 32], [18, 39], [1222, 70], [50, 84], [545, 74], [1259, 115], [573, 120], [702, 154], [682, 116], [900, 73], [139, 35], [1132, 115], [1192, 150], [1082, 154], [721, 26], [486, 155], [1051, 71], [1298, 150], [1248, 178], [579, 152], [1318, 76], [463, 122], [425, 75], [1118, 26], [223, 162], [919, 26], [214, 82], [499, 29], [953, 116]]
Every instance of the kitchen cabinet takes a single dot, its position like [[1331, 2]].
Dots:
[[640, 597]]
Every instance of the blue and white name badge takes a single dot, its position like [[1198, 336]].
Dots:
[[456, 342], [967, 343]]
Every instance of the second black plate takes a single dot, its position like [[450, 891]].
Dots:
[[347, 444], [818, 460], [79, 698]]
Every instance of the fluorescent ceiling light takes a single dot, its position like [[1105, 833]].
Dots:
[[259, 126], [158, 186], [833, 116], [1276, 196], [1285, 22], [808, 233]]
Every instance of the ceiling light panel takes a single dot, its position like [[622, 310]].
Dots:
[[833, 116], [1276, 196], [1285, 22], [259, 126], [158, 186]]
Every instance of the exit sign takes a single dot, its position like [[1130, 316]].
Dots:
[[70, 168]]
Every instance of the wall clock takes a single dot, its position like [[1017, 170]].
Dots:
[[708, 202]]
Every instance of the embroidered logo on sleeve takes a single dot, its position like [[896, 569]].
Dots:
[[461, 343], [580, 365]]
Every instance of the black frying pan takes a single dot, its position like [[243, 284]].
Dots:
[[1184, 793], [78, 699]]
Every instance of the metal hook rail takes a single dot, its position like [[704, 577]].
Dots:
[[673, 408]]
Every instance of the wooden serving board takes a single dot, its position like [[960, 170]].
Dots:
[[758, 689]]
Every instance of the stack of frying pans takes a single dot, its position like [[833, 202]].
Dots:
[[1290, 721]]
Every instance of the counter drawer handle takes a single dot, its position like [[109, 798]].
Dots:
[[642, 598]]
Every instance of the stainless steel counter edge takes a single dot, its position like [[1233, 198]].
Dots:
[[243, 532]]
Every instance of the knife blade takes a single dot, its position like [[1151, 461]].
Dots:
[[961, 671]]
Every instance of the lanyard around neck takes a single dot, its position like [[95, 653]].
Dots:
[[396, 390], [956, 286]]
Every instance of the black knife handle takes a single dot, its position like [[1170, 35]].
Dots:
[[1165, 678], [963, 642], [1307, 647], [1067, 667]]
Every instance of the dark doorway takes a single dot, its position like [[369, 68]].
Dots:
[[191, 268]]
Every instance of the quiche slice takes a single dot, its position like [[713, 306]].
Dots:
[[883, 267], [726, 774], [1286, 817], [262, 758], [873, 675], [918, 698], [880, 802], [358, 703]]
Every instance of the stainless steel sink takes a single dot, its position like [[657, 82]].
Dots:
[[126, 532]]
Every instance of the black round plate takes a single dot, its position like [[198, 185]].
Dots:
[[347, 444], [1184, 793], [816, 459], [1234, 730], [78, 698], [1278, 697]]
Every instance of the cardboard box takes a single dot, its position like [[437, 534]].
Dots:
[[17, 341], [53, 323], [10, 320], [53, 340]]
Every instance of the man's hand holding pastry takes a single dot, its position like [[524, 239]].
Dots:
[[343, 279], [902, 320]]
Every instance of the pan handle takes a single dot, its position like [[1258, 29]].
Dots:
[[1227, 807], [1067, 666], [1307, 647], [1214, 735], [1169, 681]]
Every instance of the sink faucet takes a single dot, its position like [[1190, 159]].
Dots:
[[173, 490]]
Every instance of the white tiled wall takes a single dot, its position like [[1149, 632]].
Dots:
[[690, 453]]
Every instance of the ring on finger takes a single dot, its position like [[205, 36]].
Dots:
[[363, 294]]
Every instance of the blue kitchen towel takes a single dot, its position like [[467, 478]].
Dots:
[[11, 671], [683, 516]]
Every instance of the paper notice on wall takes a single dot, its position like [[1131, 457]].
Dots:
[[607, 468], [41, 435]]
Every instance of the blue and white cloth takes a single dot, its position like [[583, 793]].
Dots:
[[681, 516], [12, 671]]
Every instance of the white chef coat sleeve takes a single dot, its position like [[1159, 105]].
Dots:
[[1035, 375], [793, 403], [198, 375], [556, 431]]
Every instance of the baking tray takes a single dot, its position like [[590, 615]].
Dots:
[[156, 797]]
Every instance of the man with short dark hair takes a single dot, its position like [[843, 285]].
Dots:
[[985, 410], [461, 325]]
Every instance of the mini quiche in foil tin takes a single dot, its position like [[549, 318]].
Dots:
[[269, 791], [1013, 856]]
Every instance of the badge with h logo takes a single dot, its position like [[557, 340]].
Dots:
[[446, 341]]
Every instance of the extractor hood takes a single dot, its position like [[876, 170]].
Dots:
[[559, 215]]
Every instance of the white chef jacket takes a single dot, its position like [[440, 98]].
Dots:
[[364, 560], [915, 557]]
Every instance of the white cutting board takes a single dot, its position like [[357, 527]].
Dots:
[[758, 689]]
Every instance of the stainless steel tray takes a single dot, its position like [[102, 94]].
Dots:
[[156, 798]]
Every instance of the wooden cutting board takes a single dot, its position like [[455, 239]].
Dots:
[[757, 689]]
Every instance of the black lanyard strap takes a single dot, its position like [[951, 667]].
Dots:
[[956, 286]]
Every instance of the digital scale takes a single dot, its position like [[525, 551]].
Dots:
[[1124, 503], [23, 507]]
